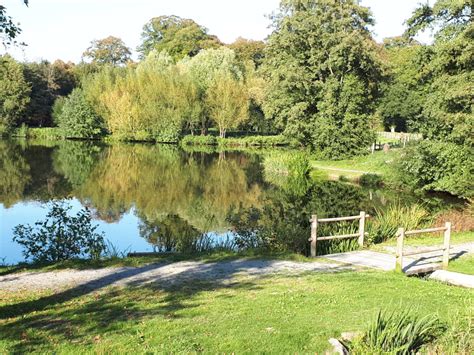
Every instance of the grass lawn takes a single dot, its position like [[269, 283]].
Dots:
[[464, 265], [279, 314], [378, 163], [429, 240]]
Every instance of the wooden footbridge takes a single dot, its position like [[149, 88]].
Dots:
[[409, 260]]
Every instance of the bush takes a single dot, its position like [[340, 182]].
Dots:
[[396, 216], [78, 119], [397, 333], [440, 166], [371, 180], [58, 109], [199, 140], [60, 236], [50, 133]]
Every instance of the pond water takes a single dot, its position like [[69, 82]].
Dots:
[[139, 192]]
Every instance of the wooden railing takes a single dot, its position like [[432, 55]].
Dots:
[[314, 230], [402, 233]]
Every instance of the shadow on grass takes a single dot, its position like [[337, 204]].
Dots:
[[94, 308]]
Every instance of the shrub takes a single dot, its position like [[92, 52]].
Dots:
[[50, 133], [397, 333], [78, 119], [371, 180], [199, 140], [440, 166], [58, 109], [396, 216], [60, 236]]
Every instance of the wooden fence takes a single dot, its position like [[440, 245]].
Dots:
[[314, 230], [401, 234]]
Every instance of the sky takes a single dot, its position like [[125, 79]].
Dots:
[[63, 29]]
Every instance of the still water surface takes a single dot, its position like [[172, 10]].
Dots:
[[136, 190]]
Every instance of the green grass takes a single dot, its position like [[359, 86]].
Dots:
[[464, 265], [429, 240], [378, 163], [274, 315]]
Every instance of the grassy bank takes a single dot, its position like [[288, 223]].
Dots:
[[378, 163], [248, 141], [278, 314], [465, 265]]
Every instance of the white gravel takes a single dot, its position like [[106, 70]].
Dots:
[[162, 274]]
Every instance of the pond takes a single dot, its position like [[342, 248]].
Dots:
[[142, 196]]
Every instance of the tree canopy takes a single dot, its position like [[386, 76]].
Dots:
[[110, 50], [323, 71], [177, 36]]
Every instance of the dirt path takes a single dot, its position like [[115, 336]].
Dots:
[[162, 274]]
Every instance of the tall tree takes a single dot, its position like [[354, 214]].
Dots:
[[228, 103], [323, 72], [408, 75], [177, 36], [248, 50], [14, 92], [448, 110], [110, 50]]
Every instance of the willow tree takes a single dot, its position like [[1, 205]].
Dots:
[[322, 67], [228, 103]]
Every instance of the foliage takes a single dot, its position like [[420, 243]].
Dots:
[[48, 82], [394, 216], [9, 31], [179, 37], [47, 133], [110, 50], [198, 140], [78, 119], [323, 72], [60, 236], [227, 102], [14, 92], [406, 86], [439, 166], [371, 180], [398, 333], [249, 51]]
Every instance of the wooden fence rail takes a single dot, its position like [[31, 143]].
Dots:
[[314, 230], [401, 234]]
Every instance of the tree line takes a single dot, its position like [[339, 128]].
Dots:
[[319, 78]]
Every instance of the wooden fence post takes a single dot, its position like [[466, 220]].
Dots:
[[447, 242], [361, 229], [400, 239], [314, 234]]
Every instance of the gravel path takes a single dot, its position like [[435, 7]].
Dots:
[[162, 274]]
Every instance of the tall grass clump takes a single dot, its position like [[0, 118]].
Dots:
[[396, 216], [397, 333]]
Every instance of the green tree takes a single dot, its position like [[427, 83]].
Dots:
[[228, 103], [203, 70], [14, 92], [48, 82], [406, 86], [248, 50], [177, 36], [323, 71], [78, 119], [110, 50], [447, 113]]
